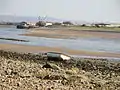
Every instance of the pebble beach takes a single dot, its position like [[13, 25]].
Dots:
[[24, 71]]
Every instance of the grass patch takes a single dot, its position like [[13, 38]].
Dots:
[[94, 28]]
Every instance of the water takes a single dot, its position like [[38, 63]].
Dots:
[[89, 44]]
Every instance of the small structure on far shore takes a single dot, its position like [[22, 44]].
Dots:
[[101, 25], [114, 25], [48, 24]]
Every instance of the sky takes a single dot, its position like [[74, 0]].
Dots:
[[82, 10]]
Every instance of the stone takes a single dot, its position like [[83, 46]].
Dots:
[[51, 65]]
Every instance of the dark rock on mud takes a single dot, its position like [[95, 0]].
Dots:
[[52, 66]]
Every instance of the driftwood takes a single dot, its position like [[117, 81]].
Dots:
[[12, 39]]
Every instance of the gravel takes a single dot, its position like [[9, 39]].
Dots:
[[20, 71]]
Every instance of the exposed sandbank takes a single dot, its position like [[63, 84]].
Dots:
[[68, 33]]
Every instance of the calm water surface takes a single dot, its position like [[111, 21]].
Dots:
[[89, 44]]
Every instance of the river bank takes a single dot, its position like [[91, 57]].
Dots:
[[18, 71]]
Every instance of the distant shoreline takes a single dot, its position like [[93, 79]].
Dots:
[[4, 26]]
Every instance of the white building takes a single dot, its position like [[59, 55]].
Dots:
[[31, 23], [113, 25], [48, 24]]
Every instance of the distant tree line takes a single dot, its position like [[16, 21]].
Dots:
[[8, 23], [67, 23]]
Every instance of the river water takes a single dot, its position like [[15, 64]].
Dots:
[[89, 44]]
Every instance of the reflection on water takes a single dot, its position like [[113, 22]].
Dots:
[[90, 44]]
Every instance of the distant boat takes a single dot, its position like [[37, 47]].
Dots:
[[23, 25]]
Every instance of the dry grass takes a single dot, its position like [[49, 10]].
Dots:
[[95, 28]]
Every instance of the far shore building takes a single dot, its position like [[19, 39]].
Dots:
[[47, 24], [113, 25], [32, 23], [101, 24]]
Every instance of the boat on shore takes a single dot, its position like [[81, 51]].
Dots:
[[24, 25]]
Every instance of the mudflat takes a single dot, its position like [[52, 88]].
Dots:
[[38, 49], [64, 33], [28, 71], [72, 33]]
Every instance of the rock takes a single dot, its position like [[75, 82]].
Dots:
[[48, 88], [8, 72], [53, 77], [19, 84], [69, 72], [75, 70], [51, 65], [72, 71]]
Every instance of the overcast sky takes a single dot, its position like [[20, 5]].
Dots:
[[85, 10]]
